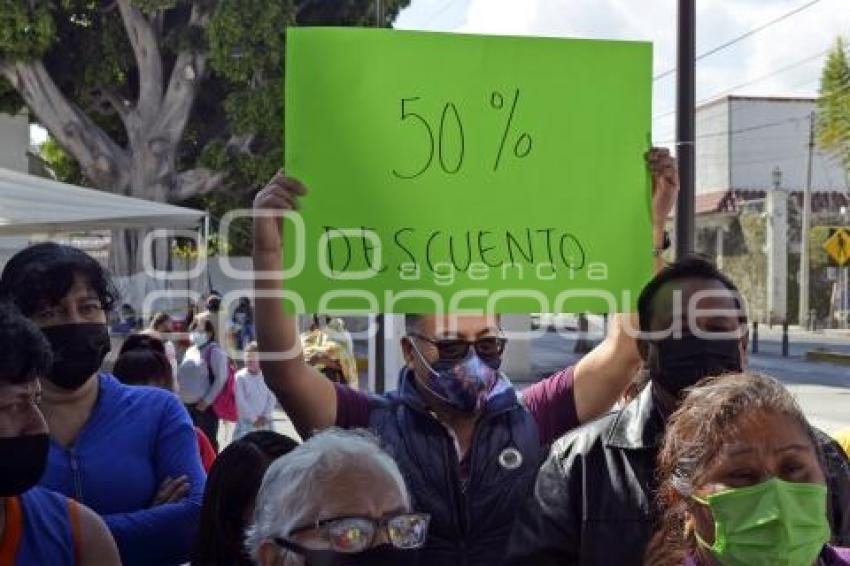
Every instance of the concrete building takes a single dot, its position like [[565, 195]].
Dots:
[[14, 142], [751, 168], [741, 139]]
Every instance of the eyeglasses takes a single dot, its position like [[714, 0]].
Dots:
[[487, 348], [356, 534]]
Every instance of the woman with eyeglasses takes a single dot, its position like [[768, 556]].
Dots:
[[336, 499], [129, 453]]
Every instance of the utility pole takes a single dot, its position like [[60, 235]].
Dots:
[[845, 296], [686, 126], [379, 336], [804, 234]]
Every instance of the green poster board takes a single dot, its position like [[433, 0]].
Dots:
[[452, 173]]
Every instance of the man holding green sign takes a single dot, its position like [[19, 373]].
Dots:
[[467, 443]]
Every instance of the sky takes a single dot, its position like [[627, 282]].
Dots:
[[801, 37], [797, 38]]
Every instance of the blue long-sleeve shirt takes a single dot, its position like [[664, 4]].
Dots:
[[135, 438]]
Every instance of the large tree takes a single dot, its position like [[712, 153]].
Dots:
[[833, 124], [166, 100]]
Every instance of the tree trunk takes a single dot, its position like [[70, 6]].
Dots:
[[127, 253], [151, 171], [155, 123]]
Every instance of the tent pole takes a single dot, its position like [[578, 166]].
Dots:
[[206, 234], [206, 251]]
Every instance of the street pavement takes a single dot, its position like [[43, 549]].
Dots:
[[822, 389]]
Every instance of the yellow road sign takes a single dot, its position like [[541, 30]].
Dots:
[[838, 246]]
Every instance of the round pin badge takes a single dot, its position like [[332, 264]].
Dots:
[[510, 459]]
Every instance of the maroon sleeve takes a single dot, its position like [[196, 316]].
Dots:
[[352, 407], [552, 402]]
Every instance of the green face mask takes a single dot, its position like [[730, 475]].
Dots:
[[774, 523]]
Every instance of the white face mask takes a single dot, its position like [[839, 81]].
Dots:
[[199, 338]]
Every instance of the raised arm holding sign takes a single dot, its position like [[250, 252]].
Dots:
[[468, 447]]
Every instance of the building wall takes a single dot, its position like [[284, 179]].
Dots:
[[712, 148], [769, 133], [740, 140], [744, 260], [14, 142]]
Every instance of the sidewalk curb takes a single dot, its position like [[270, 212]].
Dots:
[[828, 356]]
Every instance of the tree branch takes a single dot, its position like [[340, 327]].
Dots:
[[122, 106], [240, 144], [196, 182], [186, 76], [145, 43], [103, 161]]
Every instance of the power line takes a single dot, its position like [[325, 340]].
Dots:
[[756, 127], [751, 82], [735, 40], [763, 125], [743, 130]]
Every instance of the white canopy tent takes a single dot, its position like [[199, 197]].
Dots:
[[34, 205]]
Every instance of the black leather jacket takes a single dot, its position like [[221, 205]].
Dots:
[[593, 498]]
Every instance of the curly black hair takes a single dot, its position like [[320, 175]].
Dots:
[[42, 274], [26, 352]]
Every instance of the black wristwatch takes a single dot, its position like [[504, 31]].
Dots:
[[665, 245]]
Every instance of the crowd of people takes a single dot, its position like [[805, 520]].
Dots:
[[658, 448]]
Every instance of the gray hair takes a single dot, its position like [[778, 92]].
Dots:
[[292, 489]]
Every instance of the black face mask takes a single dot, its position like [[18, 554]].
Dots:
[[384, 555], [22, 462], [214, 305], [682, 362], [78, 351]]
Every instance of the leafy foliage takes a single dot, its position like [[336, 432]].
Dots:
[[237, 116], [246, 38], [833, 125], [27, 30], [63, 165], [10, 101]]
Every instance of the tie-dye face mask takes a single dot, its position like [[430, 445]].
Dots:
[[463, 385]]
